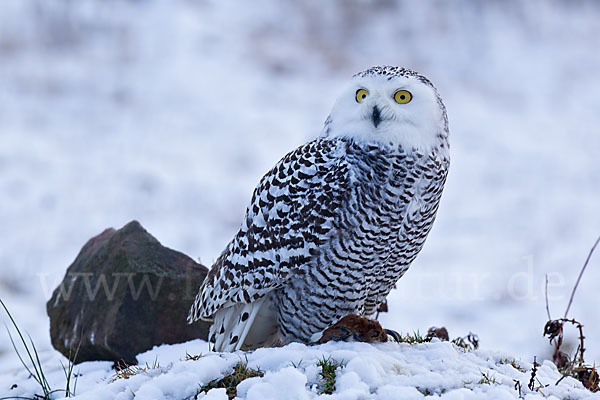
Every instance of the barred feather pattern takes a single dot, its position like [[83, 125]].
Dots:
[[328, 232]]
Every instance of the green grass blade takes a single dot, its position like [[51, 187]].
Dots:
[[38, 373], [75, 385], [72, 367], [24, 344], [67, 377], [46, 385], [19, 355]]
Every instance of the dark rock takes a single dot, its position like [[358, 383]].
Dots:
[[124, 294]]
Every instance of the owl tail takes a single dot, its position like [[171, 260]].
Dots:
[[244, 326]]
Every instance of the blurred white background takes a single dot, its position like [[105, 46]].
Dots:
[[169, 112]]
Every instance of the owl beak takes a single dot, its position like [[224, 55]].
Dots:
[[376, 116]]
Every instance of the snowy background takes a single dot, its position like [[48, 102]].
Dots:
[[169, 112]]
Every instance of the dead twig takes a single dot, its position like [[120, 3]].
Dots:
[[518, 388], [547, 306], [554, 329], [531, 384], [580, 275]]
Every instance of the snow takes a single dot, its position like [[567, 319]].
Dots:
[[169, 112], [368, 371]]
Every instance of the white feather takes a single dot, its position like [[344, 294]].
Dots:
[[230, 319]]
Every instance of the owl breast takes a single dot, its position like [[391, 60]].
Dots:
[[389, 198]]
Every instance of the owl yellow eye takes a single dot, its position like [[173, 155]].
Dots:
[[361, 94], [402, 96]]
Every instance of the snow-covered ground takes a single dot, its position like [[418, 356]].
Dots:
[[169, 112], [387, 371]]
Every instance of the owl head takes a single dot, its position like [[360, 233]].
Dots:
[[390, 106]]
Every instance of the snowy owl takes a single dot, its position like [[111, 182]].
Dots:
[[335, 223]]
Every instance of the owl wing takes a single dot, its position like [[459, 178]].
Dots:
[[290, 215]]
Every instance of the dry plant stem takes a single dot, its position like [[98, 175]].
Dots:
[[518, 388], [531, 384], [554, 329], [580, 274], [547, 306], [581, 337]]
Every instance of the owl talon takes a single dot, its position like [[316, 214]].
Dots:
[[393, 336]]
